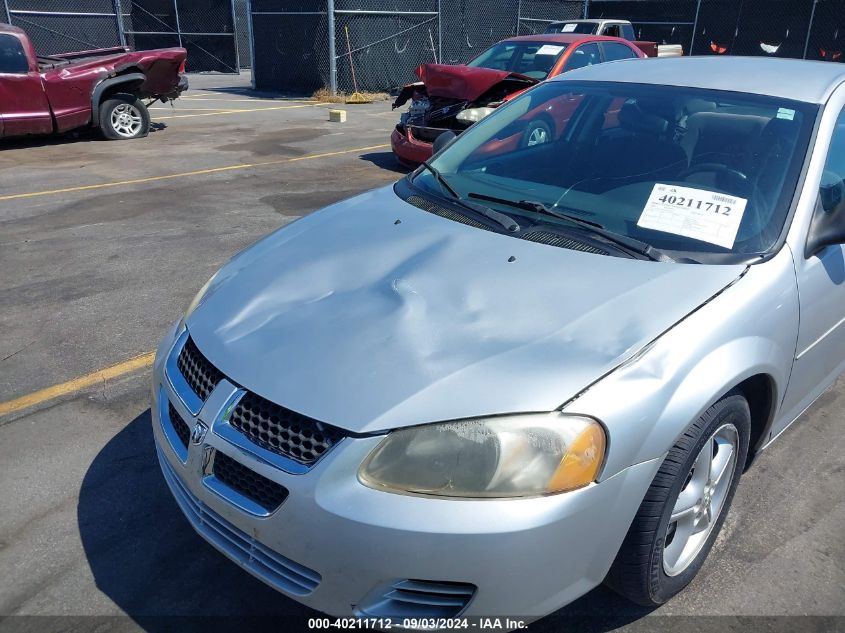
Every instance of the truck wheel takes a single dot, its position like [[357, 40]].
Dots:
[[124, 116], [683, 510]]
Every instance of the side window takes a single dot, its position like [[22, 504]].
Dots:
[[612, 31], [628, 32], [834, 167], [12, 57], [615, 50], [584, 55]]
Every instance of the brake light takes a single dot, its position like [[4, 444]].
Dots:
[[182, 66]]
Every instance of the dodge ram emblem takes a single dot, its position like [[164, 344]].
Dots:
[[198, 434]]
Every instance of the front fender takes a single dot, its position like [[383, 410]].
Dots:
[[749, 329]]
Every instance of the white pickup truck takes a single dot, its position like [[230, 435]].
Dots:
[[615, 28]]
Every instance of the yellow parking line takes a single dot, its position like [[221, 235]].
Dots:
[[256, 100], [198, 172], [77, 384], [181, 109], [144, 360], [285, 107]]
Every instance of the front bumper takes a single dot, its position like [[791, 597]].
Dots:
[[338, 546], [408, 150]]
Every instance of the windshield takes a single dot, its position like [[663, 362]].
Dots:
[[532, 59], [687, 171]]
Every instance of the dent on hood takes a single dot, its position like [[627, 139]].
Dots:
[[654, 368], [366, 324]]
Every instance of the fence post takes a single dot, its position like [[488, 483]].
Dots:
[[439, 32], [235, 37], [251, 44], [810, 28], [518, 15], [119, 16], [178, 26], [8, 15], [694, 26], [332, 53], [586, 9]]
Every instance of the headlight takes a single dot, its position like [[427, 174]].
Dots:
[[473, 115], [198, 298], [509, 456]]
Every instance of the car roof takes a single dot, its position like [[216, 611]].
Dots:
[[8, 28], [796, 79], [590, 21], [563, 38]]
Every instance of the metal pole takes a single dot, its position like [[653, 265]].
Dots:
[[178, 27], [235, 38], [332, 53], [120, 29], [518, 15], [251, 45], [586, 9], [8, 15], [694, 26], [439, 32], [810, 28]]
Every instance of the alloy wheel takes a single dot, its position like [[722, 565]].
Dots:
[[701, 500], [126, 120]]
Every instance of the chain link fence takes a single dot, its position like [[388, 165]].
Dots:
[[206, 28], [389, 38], [75, 25]]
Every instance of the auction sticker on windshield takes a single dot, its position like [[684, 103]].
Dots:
[[702, 215], [549, 49]]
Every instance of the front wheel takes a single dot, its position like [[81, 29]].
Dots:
[[683, 510], [537, 132], [124, 116]]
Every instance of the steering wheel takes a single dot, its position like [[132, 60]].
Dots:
[[716, 168]]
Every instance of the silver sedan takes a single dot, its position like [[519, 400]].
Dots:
[[528, 367]]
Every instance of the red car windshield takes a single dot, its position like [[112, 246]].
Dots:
[[532, 59]]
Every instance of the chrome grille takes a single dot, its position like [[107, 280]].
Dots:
[[281, 430], [273, 568], [179, 425], [198, 372], [266, 493]]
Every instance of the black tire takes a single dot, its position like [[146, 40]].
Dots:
[[638, 571], [136, 109], [536, 127]]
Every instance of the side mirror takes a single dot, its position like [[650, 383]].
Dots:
[[828, 225], [443, 140]]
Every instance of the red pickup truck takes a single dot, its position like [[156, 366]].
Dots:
[[102, 88]]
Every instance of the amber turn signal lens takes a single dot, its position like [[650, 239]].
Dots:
[[580, 465]]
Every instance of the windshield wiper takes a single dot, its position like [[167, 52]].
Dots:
[[623, 241], [502, 219]]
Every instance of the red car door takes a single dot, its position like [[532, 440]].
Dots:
[[24, 108]]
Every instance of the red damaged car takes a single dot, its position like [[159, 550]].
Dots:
[[102, 88], [453, 97]]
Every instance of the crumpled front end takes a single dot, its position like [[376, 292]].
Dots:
[[447, 99]]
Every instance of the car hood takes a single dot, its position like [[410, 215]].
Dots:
[[373, 314], [464, 82]]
